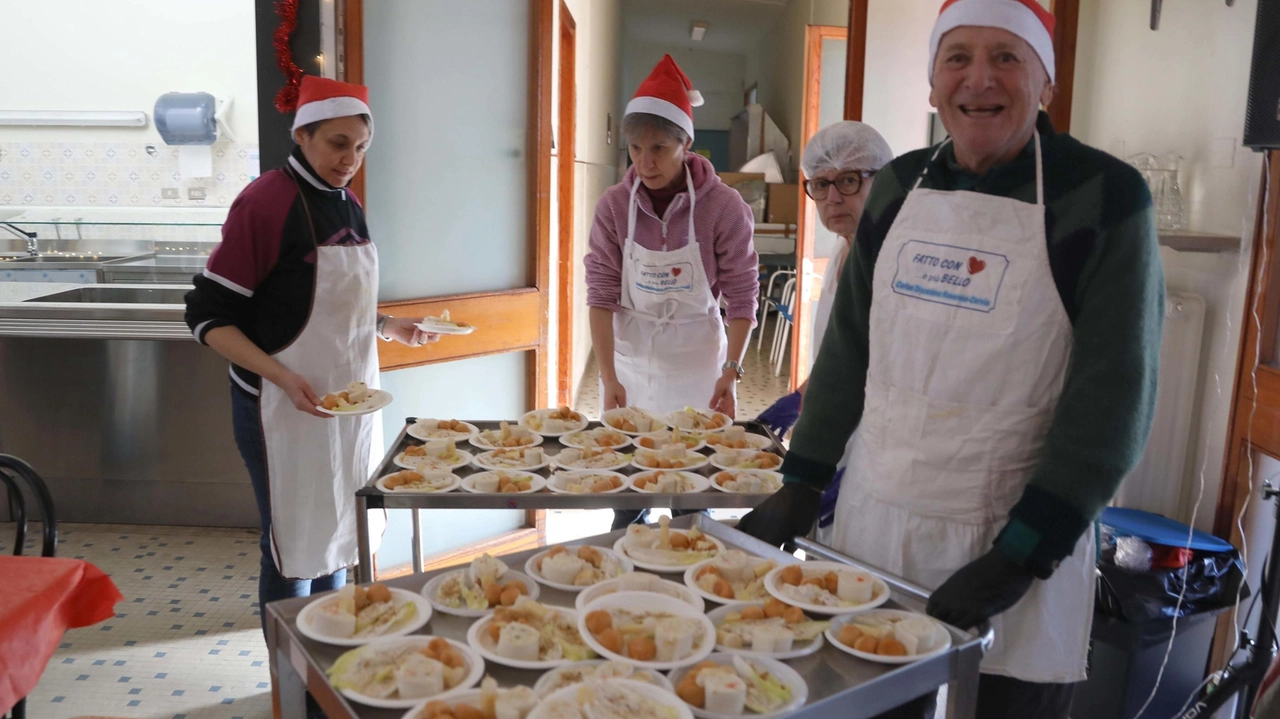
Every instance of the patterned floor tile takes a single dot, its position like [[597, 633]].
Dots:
[[187, 625]]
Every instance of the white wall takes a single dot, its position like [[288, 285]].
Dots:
[[122, 55], [1143, 91], [719, 76], [599, 69], [781, 75], [895, 98]]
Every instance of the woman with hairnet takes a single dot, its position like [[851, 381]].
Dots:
[[839, 163]]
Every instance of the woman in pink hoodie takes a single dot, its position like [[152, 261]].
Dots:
[[667, 245]]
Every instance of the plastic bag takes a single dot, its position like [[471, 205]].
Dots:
[[1133, 554], [1213, 579]]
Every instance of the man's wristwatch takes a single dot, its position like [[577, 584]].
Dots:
[[382, 323], [735, 366]]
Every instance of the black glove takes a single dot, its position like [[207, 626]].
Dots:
[[979, 590], [789, 513]]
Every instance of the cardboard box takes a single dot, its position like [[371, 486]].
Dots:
[[752, 187], [784, 204]]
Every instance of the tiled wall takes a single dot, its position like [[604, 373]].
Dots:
[[116, 174]]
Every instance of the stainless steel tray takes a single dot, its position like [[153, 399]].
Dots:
[[546, 499], [370, 497], [840, 686]]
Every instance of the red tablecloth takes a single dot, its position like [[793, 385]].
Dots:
[[40, 598]]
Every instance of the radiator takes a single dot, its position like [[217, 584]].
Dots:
[[1156, 484]]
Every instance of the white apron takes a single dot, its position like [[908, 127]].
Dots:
[[821, 318], [827, 298], [969, 353], [316, 465], [669, 340]]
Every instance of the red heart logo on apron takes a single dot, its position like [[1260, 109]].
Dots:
[[976, 265], [675, 271]]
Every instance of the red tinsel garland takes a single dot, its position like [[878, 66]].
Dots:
[[287, 98]]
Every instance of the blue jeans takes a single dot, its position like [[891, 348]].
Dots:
[[246, 421]]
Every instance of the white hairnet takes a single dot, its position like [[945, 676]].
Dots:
[[845, 146]]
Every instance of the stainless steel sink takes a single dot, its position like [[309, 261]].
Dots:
[[77, 260], [118, 295]]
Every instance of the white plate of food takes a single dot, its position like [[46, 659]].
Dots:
[[442, 325], [727, 686], [503, 481], [454, 429], [587, 482], [699, 420], [745, 459], [614, 698], [515, 702], [597, 670], [731, 576], [737, 437], [639, 582], [479, 588], [401, 672], [668, 481], [671, 457], [664, 550], [554, 422], [889, 636], [632, 420], [747, 481], [827, 587], [599, 437], [357, 398], [527, 459], [506, 436], [356, 615], [529, 635], [607, 460], [574, 568], [768, 628], [648, 630], [435, 455], [693, 441], [413, 481]]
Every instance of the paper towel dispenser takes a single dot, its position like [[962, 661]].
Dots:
[[187, 118], [192, 118]]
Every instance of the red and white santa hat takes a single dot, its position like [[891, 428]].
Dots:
[[320, 98], [1025, 18], [667, 93]]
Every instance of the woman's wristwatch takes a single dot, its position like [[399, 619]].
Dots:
[[735, 366], [382, 323]]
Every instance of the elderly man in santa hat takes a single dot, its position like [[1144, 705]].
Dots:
[[993, 350]]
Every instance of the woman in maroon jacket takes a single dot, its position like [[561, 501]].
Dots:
[[289, 297]]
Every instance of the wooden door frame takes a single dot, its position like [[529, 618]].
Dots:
[[514, 320], [1253, 424], [1066, 15], [807, 217], [567, 155]]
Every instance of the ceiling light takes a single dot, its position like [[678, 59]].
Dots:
[[699, 29]]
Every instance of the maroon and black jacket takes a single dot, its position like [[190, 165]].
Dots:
[[262, 276]]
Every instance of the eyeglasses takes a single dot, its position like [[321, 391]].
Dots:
[[847, 184]]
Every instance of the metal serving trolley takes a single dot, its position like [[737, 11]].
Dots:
[[370, 497], [840, 686]]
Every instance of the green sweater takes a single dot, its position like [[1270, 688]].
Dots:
[[1106, 264]]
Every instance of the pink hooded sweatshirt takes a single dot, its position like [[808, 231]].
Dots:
[[724, 226]]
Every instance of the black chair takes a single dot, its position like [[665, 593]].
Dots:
[[14, 473]]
